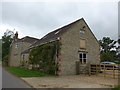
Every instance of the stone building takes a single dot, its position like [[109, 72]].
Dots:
[[18, 46], [78, 44]]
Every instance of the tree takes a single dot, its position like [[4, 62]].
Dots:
[[107, 44], [118, 50], [107, 52], [108, 56], [6, 41], [119, 41]]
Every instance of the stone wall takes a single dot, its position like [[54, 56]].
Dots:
[[15, 53], [25, 60], [71, 45]]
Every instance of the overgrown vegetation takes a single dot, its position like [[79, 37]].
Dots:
[[22, 72], [6, 42], [43, 57], [108, 56]]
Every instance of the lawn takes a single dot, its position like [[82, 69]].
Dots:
[[22, 72]]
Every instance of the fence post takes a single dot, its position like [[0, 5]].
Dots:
[[89, 69], [96, 69], [104, 72], [113, 72]]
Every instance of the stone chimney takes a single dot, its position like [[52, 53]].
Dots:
[[16, 36]]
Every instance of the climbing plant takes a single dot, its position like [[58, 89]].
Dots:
[[44, 57]]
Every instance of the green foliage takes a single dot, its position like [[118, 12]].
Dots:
[[107, 44], [107, 54], [22, 72], [45, 56], [6, 41], [116, 88], [5, 58]]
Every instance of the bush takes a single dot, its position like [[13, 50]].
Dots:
[[107, 56], [5, 58]]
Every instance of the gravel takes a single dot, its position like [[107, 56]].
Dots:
[[74, 81]]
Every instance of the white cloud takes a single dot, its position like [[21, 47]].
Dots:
[[38, 18], [3, 29]]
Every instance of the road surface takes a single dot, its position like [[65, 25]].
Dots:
[[11, 81]]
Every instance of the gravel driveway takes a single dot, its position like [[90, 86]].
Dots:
[[74, 81]]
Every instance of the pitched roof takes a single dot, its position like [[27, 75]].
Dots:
[[27, 39], [54, 35]]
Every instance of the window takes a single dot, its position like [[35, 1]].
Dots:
[[83, 58], [82, 33], [16, 45]]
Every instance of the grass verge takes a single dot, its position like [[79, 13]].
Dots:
[[116, 88], [22, 72]]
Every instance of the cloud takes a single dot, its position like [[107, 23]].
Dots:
[[38, 18], [0, 13], [119, 19]]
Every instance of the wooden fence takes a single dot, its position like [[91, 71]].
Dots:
[[105, 70]]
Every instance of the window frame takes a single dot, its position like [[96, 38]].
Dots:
[[16, 45], [82, 32], [81, 59]]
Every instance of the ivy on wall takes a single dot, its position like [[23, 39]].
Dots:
[[44, 57]]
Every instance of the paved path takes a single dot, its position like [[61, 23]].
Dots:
[[10, 81]]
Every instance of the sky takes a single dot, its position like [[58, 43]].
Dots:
[[36, 19]]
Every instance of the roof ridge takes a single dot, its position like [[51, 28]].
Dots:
[[29, 37], [51, 36], [66, 25]]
